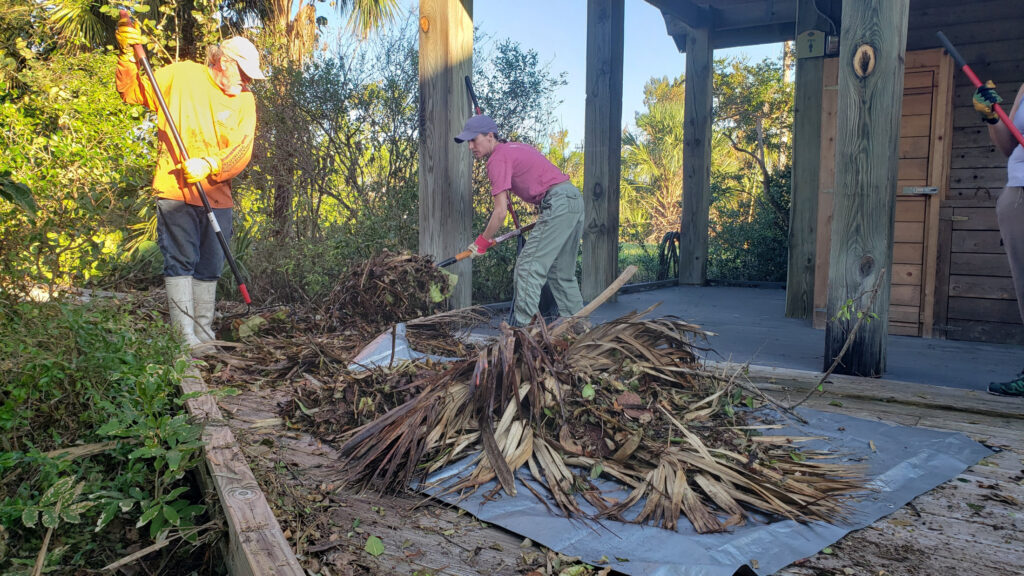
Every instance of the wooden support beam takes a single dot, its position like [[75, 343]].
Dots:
[[445, 168], [602, 145], [803, 210], [871, 53], [693, 241]]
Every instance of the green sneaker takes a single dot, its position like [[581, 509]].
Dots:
[[1012, 388]]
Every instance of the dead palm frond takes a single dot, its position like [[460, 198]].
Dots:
[[627, 401]]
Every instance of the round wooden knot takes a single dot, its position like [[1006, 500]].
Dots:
[[864, 60], [424, 23]]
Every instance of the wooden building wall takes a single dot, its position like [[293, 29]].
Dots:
[[923, 166], [950, 276], [974, 297]]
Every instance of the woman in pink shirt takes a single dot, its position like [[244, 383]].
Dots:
[[550, 252]]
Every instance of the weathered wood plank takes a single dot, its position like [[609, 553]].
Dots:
[[942, 264], [603, 143], [907, 252], [868, 141], [904, 314], [256, 544], [906, 274], [911, 126], [910, 209], [803, 213], [905, 295], [977, 241], [879, 390], [975, 219], [909, 232], [978, 157], [977, 331], [981, 287], [970, 264], [984, 310], [826, 187], [693, 242], [445, 168], [914, 147]]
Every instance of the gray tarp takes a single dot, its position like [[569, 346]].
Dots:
[[906, 462]]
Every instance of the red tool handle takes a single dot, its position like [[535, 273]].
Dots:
[[977, 84]]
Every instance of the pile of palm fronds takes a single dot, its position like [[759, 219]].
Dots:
[[627, 401], [387, 289]]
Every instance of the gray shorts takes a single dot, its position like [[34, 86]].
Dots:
[[188, 240]]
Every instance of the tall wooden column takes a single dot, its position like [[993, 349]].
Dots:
[[602, 145], [871, 51], [693, 237], [803, 210], [445, 168]]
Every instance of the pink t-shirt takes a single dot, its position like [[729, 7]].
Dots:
[[523, 170]]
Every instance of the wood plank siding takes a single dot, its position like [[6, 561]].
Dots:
[[974, 298], [923, 162]]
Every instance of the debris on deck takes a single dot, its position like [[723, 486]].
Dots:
[[628, 400]]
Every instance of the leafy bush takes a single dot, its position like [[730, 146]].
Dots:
[[752, 245], [99, 376], [86, 159]]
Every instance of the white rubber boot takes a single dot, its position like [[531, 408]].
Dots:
[[204, 294], [181, 307]]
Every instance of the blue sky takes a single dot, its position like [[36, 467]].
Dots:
[[557, 30]]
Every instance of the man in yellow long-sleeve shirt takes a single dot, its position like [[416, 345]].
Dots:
[[215, 114]]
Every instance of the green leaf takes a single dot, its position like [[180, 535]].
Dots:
[[596, 470], [826, 550], [374, 546], [172, 515], [106, 516], [50, 518], [173, 459], [148, 515], [17, 194], [587, 392], [29, 516]]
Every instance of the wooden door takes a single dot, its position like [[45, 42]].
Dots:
[[924, 149]]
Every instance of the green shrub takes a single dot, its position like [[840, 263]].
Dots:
[[74, 375]]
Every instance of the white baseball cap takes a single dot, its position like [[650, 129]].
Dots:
[[248, 57]]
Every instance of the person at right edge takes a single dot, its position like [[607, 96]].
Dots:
[[550, 252], [215, 114], [1010, 205]]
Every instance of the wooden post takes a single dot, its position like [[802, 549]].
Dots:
[[445, 168], [871, 53], [602, 145], [693, 237], [803, 210]]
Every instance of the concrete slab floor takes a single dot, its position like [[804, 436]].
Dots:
[[751, 325]]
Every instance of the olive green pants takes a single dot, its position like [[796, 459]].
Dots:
[[550, 255]]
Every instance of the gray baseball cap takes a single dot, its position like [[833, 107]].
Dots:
[[479, 124]]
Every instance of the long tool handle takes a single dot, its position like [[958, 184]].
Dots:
[[472, 96], [977, 83], [466, 253], [140, 55]]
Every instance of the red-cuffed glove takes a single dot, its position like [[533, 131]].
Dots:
[[479, 246]]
